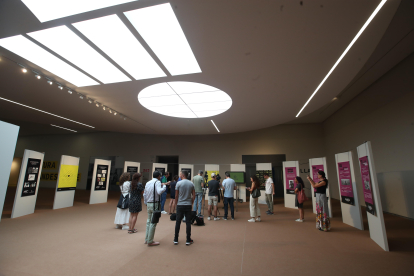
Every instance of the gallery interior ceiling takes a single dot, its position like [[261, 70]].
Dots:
[[268, 56]]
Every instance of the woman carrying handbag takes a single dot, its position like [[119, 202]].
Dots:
[[122, 212], [254, 199], [300, 197]]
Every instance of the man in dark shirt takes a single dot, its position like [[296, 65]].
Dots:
[[213, 193]]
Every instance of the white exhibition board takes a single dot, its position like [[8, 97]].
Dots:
[[187, 166], [64, 197], [132, 168], [8, 139], [263, 167], [240, 187], [289, 197], [100, 196], [158, 165], [320, 163], [210, 167], [25, 205], [375, 222], [351, 213]]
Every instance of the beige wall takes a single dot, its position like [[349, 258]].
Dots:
[[384, 115]]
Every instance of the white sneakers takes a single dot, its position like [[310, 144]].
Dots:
[[216, 218], [299, 220], [258, 219], [164, 213], [208, 218], [252, 220]]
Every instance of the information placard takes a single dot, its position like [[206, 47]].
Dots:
[[31, 176], [315, 170], [345, 182], [161, 170], [189, 172], [68, 177], [290, 175], [101, 177], [260, 175], [132, 170], [366, 185]]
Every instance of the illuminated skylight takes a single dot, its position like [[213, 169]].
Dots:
[[70, 46], [114, 38], [48, 113], [35, 54], [184, 99], [160, 28], [46, 10], [344, 53]]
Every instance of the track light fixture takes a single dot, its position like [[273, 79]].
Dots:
[[60, 87], [103, 107], [50, 82], [24, 70], [115, 113], [110, 111], [90, 101], [81, 97], [38, 77], [97, 104], [70, 92]]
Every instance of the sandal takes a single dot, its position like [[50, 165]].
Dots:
[[130, 231]]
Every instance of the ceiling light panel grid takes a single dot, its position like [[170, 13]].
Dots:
[[35, 54], [71, 47], [161, 30], [111, 35]]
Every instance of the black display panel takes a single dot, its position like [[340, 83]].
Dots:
[[132, 170], [101, 177], [31, 176], [189, 172]]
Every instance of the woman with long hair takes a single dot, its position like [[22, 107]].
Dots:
[[122, 215], [254, 202], [135, 206], [323, 222], [299, 187], [172, 194]]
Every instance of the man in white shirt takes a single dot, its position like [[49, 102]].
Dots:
[[270, 191], [229, 186], [153, 204]]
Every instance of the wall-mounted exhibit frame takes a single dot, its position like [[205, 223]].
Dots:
[[189, 168], [350, 205], [290, 171], [372, 196], [315, 165], [208, 169], [132, 168], [240, 187], [100, 177], [8, 139], [66, 183], [263, 167], [28, 183], [158, 167]]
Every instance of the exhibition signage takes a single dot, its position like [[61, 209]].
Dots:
[[31, 176], [68, 177], [315, 170], [132, 170], [260, 175], [366, 185], [101, 177], [290, 175], [161, 170], [207, 175], [345, 182]]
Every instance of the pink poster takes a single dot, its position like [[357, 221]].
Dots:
[[367, 185], [290, 174], [315, 170], [345, 182]]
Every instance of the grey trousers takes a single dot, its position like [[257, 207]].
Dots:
[[269, 202], [149, 235]]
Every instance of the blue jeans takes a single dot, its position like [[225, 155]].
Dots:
[[228, 200], [163, 199], [198, 199]]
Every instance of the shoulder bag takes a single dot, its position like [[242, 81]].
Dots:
[[256, 193], [156, 214], [301, 196], [123, 202]]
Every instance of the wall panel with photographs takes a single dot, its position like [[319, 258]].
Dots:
[[290, 172], [101, 174]]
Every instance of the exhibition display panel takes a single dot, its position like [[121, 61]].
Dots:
[[316, 165], [132, 168], [28, 183], [236, 170], [66, 182], [372, 196], [262, 168], [189, 168], [290, 171], [100, 176], [350, 205], [162, 168], [8, 139]]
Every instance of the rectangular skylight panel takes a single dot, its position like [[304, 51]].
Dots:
[[67, 44], [184, 87], [207, 97], [46, 10], [32, 52], [114, 38], [210, 107], [161, 89], [166, 110], [161, 101], [161, 30]]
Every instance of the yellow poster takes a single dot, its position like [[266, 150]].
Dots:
[[68, 177], [209, 174]]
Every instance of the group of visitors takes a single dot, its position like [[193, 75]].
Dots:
[[186, 196]]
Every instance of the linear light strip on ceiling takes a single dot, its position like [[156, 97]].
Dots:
[[35, 54], [67, 44], [63, 128], [46, 10], [111, 35], [45, 112], [215, 126], [345, 52], [161, 30]]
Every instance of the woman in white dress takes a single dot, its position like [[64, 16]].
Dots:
[[122, 215]]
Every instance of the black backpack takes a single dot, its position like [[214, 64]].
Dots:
[[199, 221], [173, 216]]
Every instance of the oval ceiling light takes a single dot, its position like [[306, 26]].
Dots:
[[184, 99]]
